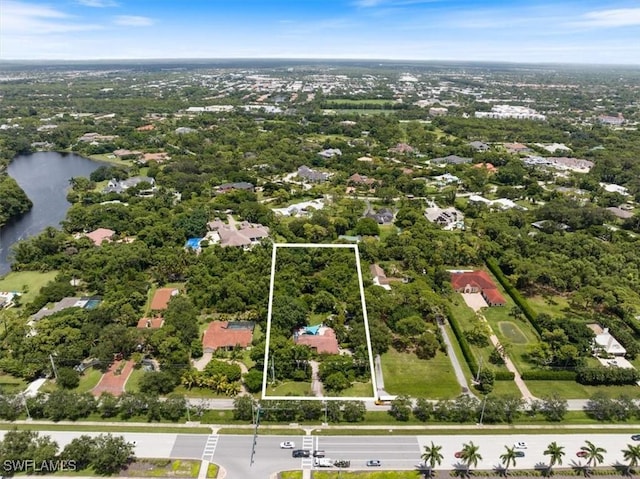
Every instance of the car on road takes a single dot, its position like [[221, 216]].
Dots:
[[458, 455], [373, 463], [636, 437], [581, 453], [318, 453], [287, 445], [323, 462], [301, 453], [519, 453], [520, 445]]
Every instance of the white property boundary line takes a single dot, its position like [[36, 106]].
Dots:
[[364, 315]]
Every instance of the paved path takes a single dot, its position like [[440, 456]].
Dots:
[[524, 390], [457, 368], [114, 379], [316, 384], [377, 366]]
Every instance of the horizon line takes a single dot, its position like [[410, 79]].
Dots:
[[305, 59]]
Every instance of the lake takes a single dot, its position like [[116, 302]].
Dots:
[[44, 176]]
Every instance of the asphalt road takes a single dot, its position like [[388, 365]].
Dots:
[[395, 452]]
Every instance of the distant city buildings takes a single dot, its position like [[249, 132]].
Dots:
[[511, 111]]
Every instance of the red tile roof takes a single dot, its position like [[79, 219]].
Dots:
[[219, 335], [100, 235], [161, 298], [493, 296], [325, 342], [478, 279], [150, 323]]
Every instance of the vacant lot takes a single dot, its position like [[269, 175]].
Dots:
[[404, 373], [162, 468]]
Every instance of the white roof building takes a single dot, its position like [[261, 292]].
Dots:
[[608, 343]]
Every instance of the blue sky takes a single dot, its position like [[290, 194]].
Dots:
[[557, 31]]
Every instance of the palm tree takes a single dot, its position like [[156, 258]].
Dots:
[[555, 454], [594, 453], [508, 458], [631, 454], [470, 455], [433, 456]]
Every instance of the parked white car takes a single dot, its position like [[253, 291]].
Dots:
[[287, 445]]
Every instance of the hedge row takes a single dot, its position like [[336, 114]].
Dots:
[[462, 341], [549, 375], [607, 376], [504, 375], [493, 265]]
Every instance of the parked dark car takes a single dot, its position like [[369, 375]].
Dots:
[[301, 453]]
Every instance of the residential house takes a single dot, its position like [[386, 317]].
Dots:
[[227, 335], [85, 302], [330, 153], [620, 212], [611, 120], [604, 341], [359, 179], [245, 236], [449, 218], [241, 185], [303, 208], [313, 176], [115, 186], [446, 179], [402, 148], [124, 153], [517, 148], [487, 166], [380, 278], [320, 338], [479, 146], [161, 298], [477, 282], [383, 216], [100, 235], [451, 160], [150, 323]]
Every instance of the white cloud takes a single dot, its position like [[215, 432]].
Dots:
[[389, 3], [19, 17], [98, 3], [133, 21], [618, 17]]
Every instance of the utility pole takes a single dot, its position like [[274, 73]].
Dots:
[[25, 406], [255, 435], [484, 403], [479, 369], [53, 367], [273, 371]]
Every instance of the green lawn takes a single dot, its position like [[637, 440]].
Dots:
[[404, 373], [512, 332], [367, 474], [505, 388], [290, 389], [467, 320], [552, 305], [573, 390], [212, 471], [27, 282], [133, 383], [11, 384], [360, 390], [89, 380], [163, 468]]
